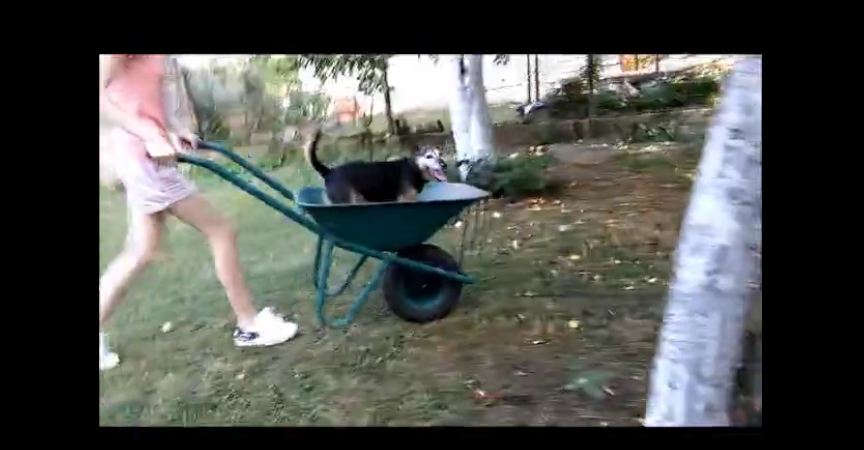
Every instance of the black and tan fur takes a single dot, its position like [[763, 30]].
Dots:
[[384, 181]]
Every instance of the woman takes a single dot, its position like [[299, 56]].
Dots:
[[145, 97]]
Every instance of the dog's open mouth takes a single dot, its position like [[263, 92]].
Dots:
[[438, 174]]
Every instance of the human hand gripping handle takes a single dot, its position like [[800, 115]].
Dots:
[[164, 150]]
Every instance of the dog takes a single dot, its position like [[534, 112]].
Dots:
[[384, 181]]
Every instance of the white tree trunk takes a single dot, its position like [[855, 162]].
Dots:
[[469, 112], [700, 344]]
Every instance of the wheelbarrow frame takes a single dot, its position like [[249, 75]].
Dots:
[[327, 242]]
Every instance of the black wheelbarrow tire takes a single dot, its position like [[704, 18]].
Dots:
[[420, 296]]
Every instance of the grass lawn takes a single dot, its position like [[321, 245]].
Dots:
[[570, 288]]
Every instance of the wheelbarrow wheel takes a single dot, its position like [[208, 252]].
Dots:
[[419, 296]]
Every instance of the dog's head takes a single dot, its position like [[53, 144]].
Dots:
[[430, 163]]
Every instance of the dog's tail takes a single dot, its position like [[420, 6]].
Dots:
[[312, 157]]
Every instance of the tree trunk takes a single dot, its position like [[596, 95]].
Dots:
[[469, 113], [656, 63], [528, 75], [700, 343], [591, 63], [388, 107], [536, 77]]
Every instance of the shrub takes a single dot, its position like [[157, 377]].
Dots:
[[697, 91], [659, 95], [521, 176], [609, 101]]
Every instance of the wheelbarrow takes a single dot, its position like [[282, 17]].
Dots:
[[421, 282]]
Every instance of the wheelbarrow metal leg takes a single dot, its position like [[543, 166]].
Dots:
[[324, 263], [348, 280]]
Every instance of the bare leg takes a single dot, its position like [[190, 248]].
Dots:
[[197, 212], [142, 242]]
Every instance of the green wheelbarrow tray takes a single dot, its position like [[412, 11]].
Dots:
[[391, 226], [421, 282]]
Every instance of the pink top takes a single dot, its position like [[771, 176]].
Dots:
[[136, 87]]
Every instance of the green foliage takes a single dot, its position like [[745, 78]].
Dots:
[[521, 176], [277, 70], [610, 101], [304, 106], [658, 95], [672, 94], [573, 90], [271, 161], [370, 70], [697, 91], [211, 126], [500, 59]]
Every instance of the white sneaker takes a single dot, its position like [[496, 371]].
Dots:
[[267, 329], [107, 359]]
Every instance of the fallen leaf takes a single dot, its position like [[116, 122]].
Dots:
[[629, 288], [575, 257], [553, 272], [496, 215], [515, 245], [167, 327], [574, 324], [529, 294], [458, 224], [241, 376], [563, 228], [539, 341], [652, 280]]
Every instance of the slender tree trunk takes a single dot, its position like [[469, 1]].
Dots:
[[469, 113], [388, 107], [536, 77], [700, 344], [591, 63], [528, 75], [656, 63]]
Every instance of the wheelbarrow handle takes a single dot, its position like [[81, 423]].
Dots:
[[244, 163]]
